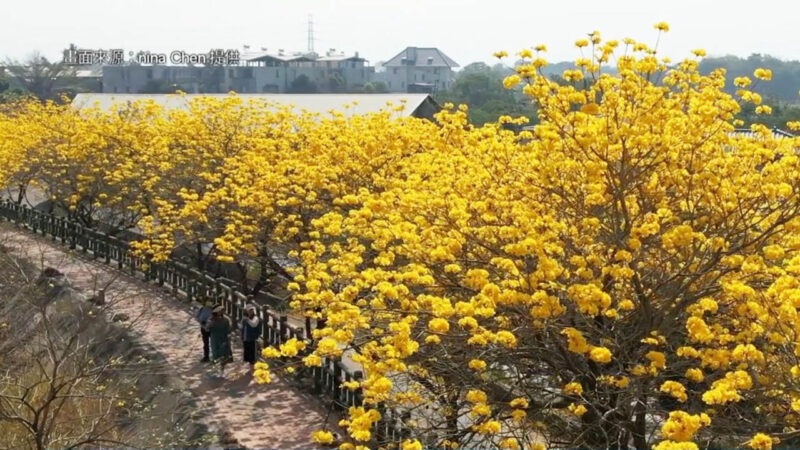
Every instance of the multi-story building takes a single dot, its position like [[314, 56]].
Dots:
[[261, 72], [418, 69], [333, 72]]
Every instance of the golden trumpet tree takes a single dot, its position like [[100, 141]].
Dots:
[[185, 207], [277, 190], [30, 130], [95, 164], [623, 275]]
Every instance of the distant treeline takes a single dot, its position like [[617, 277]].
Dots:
[[481, 87], [785, 74]]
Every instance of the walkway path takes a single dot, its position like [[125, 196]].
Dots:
[[258, 416]]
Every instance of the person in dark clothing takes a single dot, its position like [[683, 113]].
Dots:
[[251, 331], [202, 315], [219, 329]]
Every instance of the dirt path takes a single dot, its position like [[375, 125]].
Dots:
[[258, 416]]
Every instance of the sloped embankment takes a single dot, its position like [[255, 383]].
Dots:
[[74, 374]]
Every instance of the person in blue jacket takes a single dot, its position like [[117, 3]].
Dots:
[[251, 331], [203, 315]]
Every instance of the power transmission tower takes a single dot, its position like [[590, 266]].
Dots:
[[310, 34]]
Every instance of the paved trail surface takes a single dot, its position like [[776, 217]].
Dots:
[[258, 416]]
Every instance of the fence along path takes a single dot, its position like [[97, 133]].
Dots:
[[276, 415]]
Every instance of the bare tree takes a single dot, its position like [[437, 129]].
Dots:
[[70, 378], [39, 75]]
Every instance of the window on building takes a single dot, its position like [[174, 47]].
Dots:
[[394, 71], [436, 71], [277, 73]]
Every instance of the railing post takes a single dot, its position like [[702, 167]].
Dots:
[[358, 394], [190, 287], [84, 238], [107, 247], [218, 294], [337, 381], [62, 230], [173, 280], [94, 245], [262, 316], [73, 235], [282, 329], [160, 274], [217, 288], [316, 379]]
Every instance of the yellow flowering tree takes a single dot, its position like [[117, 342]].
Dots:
[[191, 204], [628, 264], [30, 132]]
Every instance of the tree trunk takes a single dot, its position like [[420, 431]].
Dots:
[[243, 281], [262, 278], [201, 261], [639, 425], [21, 194]]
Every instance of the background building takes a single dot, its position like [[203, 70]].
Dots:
[[414, 70], [260, 72], [418, 69]]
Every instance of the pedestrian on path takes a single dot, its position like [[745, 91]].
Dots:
[[203, 315], [219, 328], [251, 331]]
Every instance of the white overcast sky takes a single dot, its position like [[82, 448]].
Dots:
[[466, 30]]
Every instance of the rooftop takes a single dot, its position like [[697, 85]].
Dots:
[[315, 103], [421, 56], [748, 133], [281, 55]]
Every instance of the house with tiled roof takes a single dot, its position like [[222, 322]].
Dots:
[[418, 69]]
